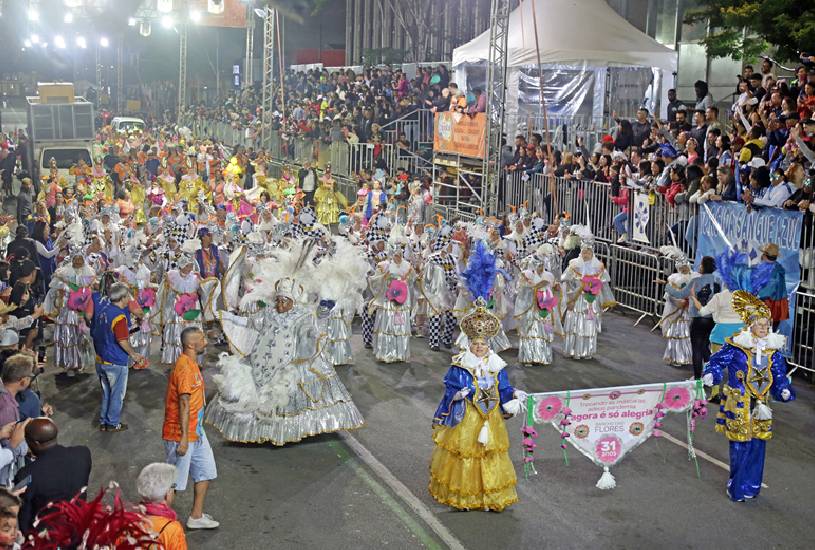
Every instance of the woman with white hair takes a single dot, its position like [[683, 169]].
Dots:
[[156, 487]]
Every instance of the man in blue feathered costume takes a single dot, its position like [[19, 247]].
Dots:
[[754, 369]]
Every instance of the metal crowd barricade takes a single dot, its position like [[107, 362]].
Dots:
[[365, 156], [303, 149], [340, 156], [803, 341], [634, 274]]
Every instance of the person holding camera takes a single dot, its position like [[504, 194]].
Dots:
[[17, 374]]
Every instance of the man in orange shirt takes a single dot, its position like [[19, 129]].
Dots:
[[184, 439]]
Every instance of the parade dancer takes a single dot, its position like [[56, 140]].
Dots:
[[177, 307], [393, 301], [752, 367], [537, 312], [586, 294], [470, 468], [375, 236], [339, 281], [67, 298], [138, 278], [439, 283], [675, 322], [285, 389]]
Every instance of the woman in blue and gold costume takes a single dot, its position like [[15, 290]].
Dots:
[[470, 468], [752, 367]]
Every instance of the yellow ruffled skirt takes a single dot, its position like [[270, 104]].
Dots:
[[467, 475]]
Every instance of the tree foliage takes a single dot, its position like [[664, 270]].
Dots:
[[747, 28]]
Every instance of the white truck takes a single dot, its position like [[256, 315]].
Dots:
[[63, 131]]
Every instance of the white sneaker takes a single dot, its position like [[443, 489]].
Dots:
[[204, 522], [623, 238]]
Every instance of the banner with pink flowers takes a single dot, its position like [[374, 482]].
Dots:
[[605, 424]]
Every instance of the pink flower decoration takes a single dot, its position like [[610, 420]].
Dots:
[[184, 303], [549, 408], [591, 285], [546, 300], [78, 299], [677, 399], [147, 297]]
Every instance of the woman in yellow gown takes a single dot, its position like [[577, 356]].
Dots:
[[470, 468], [328, 202]]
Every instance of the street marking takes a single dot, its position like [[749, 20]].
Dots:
[[700, 453], [379, 490], [402, 492]]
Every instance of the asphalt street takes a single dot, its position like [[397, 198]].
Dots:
[[368, 489]]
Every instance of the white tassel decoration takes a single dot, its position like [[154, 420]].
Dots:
[[762, 411], [606, 480], [484, 434]]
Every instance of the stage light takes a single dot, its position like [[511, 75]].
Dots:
[[104, 42], [260, 12], [167, 22], [195, 16], [33, 15], [27, 43], [68, 18], [131, 21], [59, 42], [164, 6], [81, 42], [35, 39]]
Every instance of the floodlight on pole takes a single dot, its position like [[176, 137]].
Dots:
[[164, 6], [131, 21], [27, 43], [104, 42], [195, 16], [68, 18], [260, 12], [33, 15], [81, 42], [167, 22], [59, 42], [35, 39]]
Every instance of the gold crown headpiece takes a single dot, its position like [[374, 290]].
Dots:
[[480, 324], [749, 307]]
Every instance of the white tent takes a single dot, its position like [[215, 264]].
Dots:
[[584, 33]]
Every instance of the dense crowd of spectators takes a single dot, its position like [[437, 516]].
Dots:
[[343, 105]]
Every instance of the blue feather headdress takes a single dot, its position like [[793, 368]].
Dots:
[[735, 270], [480, 273]]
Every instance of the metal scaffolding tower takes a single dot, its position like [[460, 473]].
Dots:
[[496, 100], [248, 76], [120, 77], [268, 76], [182, 68]]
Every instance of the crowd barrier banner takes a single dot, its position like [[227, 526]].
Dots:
[[729, 224], [459, 133], [642, 215], [605, 424]]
